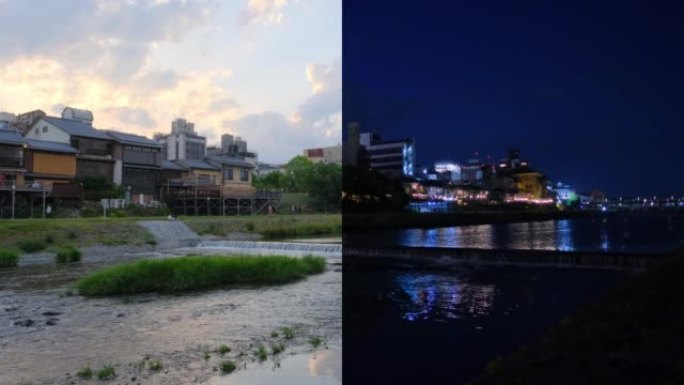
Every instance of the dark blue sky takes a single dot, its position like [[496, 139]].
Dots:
[[592, 93]]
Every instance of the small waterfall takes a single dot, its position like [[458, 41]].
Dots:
[[289, 247]]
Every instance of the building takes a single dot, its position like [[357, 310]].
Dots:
[[236, 175], [394, 158], [530, 185], [137, 166], [95, 148], [7, 121], [448, 171], [12, 165], [331, 154], [50, 162], [183, 142], [227, 141], [26, 119]]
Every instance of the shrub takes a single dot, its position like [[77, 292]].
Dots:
[[68, 254], [31, 245], [71, 234], [49, 239], [9, 257]]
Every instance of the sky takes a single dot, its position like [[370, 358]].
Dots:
[[266, 70], [591, 92]]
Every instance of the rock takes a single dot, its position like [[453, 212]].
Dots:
[[120, 315], [24, 323], [51, 313], [52, 321], [11, 308]]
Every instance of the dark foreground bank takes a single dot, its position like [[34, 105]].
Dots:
[[634, 335]]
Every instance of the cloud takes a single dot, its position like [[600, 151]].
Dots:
[[263, 12], [223, 104], [127, 116], [108, 38], [316, 122]]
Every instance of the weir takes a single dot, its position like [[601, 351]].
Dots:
[[436, 257], [323, 250]]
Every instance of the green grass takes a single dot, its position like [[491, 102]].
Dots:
[[155, 366], [106, 373], [228, 367], [278, 226], [80, 232], [68, 254], [31, 245], [274, 334], [288, 333], [261, 353], [315, 341], [85, 373], [277, 348], [223, 349], [9, 257], [197, 272]]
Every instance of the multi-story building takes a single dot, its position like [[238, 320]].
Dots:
[[331, 154], [95, 148], [183, 142], [12, 167], [227, 141], [394, 158], [137, 166], [448, 171]]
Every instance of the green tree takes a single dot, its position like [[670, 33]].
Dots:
[[272, 180], [298, 174]]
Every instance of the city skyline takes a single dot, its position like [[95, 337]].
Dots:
[[588, 92], [258, 69]]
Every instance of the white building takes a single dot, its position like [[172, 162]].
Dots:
[[396, 157]]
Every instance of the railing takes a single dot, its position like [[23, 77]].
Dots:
[[8, 185]]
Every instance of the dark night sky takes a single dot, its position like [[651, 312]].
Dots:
[[592, 94]]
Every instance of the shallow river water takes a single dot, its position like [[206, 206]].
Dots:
[[47, 334]]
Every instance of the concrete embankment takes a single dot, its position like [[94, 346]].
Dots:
[[171, 234], [436, 257]]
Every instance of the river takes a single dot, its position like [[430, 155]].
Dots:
[[407, 325], [47, 333]]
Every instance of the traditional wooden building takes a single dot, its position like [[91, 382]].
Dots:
[[95, 156], [137, 166], [236, 175], [12, 165]]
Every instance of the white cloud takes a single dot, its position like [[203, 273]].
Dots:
[[263, 12], [317, 121]]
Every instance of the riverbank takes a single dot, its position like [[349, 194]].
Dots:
[[354, 222], [633, 335], [269, 227]]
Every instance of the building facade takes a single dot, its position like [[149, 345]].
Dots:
[[183, 142], [331, 154]]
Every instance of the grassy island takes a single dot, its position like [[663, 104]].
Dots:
[[197, 272]]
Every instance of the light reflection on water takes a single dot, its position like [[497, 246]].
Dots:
[[597, 234], [424, 297], [320, 368]]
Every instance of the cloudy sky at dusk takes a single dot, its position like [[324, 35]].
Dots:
[[266, 70]]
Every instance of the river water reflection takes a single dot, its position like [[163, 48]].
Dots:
[[609, 234]]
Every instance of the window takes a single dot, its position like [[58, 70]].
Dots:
[[37, 130], [44, 129], [244, 175], [227, 174]]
